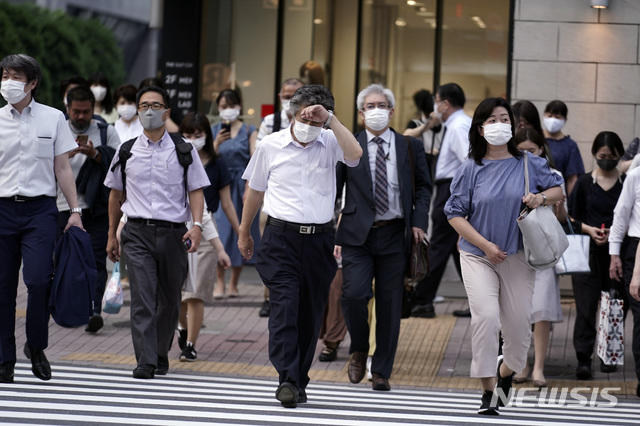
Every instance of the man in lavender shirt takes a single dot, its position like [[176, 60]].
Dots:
[[155, 238]]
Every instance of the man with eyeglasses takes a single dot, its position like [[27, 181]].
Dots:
[[381, 218], [155, 239], [448, 106]]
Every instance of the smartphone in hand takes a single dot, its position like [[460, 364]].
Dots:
[[82, 139], [187, 243], [226, 127]]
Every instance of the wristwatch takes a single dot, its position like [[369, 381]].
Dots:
[[544, 198], [198, 224], [76, 210], [326, 123]]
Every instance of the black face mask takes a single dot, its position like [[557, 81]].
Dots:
[[607, 164]]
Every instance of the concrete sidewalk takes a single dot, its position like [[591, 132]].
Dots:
[[432, 353]]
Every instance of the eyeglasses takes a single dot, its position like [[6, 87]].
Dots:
[[371, 106], [156, 106]]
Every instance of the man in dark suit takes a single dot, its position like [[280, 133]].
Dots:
[[379, 221]]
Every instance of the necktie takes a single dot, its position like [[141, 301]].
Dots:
[[381, 194]]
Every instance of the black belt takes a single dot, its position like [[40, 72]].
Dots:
[[381, 223], [299, 227], [22, 198], [155, 222], [442, 181]]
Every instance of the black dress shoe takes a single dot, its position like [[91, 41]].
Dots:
[[144, 371], [302, 396], [287, 394], [583, 372], [39, 363], [6, 372], [462, 313], [423, 311], [163, 366], [265, 311], [95, 323]]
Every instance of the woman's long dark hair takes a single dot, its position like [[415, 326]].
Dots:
[[100, 79], [477, 143], [195, 122]]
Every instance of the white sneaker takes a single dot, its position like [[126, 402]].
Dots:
[[438, 299], [369, 376]]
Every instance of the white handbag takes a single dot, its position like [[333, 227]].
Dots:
[[575, 259], [542, 235]]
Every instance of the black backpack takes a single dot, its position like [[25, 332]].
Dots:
[[183, 151]]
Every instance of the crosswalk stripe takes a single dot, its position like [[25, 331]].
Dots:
[[89, 395]]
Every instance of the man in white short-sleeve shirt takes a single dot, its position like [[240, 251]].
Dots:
[[294, 172], [34, 144]]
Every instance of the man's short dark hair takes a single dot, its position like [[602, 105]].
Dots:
[[80, 94], [165, 95], [24, 64], [312, 94], [73, 79], [453, 93]]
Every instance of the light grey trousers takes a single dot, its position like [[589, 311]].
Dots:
[[500, 298]]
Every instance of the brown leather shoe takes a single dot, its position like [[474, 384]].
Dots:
[[380, 383], [357, 366]]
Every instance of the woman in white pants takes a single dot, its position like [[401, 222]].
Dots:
[[487, 194]]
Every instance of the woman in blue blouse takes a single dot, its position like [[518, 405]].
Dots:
[[487, 195]]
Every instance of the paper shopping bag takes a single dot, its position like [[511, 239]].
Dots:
[[611, 330]]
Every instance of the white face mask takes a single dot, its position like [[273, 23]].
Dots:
[[127, 112], [436, 113], [99, 92], [305, 133], [198, 143], [376, 119], [230, 114], [285, 105], [151, 119], [497, 134], [13, 91], [553, 125]]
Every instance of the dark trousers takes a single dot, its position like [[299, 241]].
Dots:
[[97, 227], [443, 243], [157, 261], [586, 291], [298, 270], [27, 236], [381, 257], [628, 255]]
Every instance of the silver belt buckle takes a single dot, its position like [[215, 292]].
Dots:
[[307, 229], [17, 199]]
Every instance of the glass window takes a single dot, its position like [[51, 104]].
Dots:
[[475, 43], [397, 50], [238, 45], [398, 42]]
